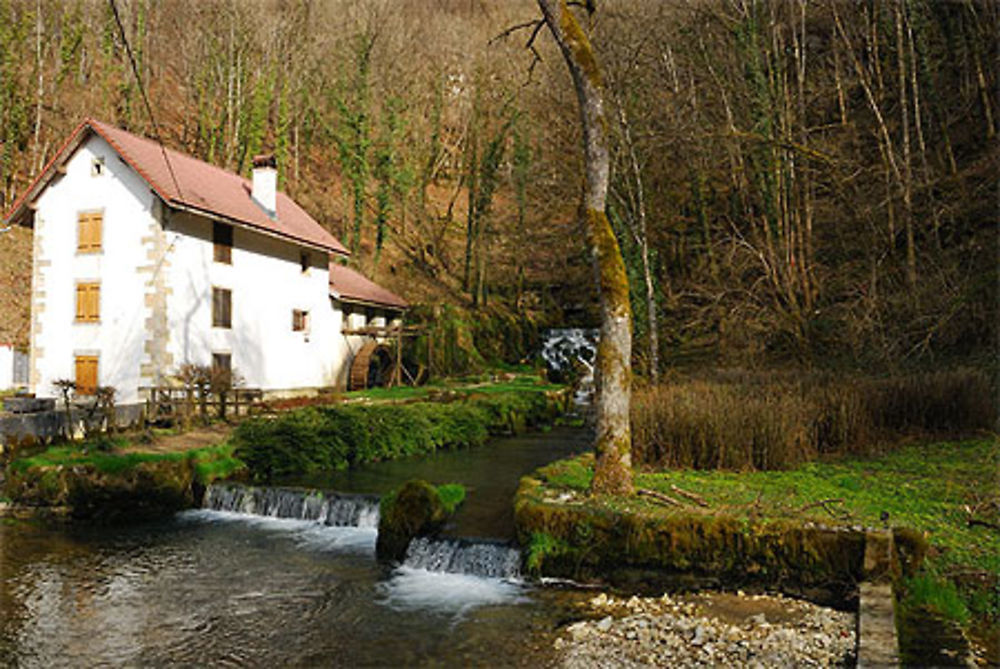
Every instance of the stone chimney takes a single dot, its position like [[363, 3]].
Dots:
[[265, 183]]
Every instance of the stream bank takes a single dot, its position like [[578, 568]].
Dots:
[[112, 480]]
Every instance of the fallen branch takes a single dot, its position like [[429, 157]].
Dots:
[[822, 502], [666, 499], [697, 499]]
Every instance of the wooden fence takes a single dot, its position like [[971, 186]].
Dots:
[[183, 404]]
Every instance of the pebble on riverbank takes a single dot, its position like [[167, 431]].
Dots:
[[707, 629]]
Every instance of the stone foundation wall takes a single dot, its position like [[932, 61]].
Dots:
[[34, 429]]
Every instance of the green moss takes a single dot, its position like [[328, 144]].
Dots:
[[452, 495], [542, 546], [414, 509]]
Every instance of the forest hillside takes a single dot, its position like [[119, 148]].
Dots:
[[793, 182]]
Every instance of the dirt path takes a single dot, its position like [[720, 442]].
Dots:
[[175, 443]]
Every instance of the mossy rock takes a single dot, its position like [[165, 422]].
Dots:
[[414, 509]]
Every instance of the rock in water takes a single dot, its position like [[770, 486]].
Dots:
[[412, 510]]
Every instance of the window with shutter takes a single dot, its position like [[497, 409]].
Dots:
[[222, 308], [89, 232], [300, 320], [88, 302], [86, 374], [222, 239]]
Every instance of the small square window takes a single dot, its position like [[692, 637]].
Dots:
[[300, 320], [97, 166]]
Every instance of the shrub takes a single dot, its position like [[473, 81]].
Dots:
[[334, 437], [739, 420]]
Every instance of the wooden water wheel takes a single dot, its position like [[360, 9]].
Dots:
[[372, 366]]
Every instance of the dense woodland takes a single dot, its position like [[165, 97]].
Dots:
[[794, 181]]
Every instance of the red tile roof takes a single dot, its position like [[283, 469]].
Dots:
[[350, 286], [194, 185]]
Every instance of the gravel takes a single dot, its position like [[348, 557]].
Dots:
[[705, 630]]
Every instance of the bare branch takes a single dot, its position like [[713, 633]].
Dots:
[[534, 24]]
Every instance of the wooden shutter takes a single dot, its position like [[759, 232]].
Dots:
[[222, 308], [86, 374], [88, 302], [90, 232], [300, 320]]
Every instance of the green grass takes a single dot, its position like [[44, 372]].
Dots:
[[452, 495], [215, 462], [462, 386], [211, 462], [924, 487], [394, 393]]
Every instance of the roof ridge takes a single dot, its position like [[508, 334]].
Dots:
[[169, 149]]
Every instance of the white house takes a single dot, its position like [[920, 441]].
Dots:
[[146, 259]]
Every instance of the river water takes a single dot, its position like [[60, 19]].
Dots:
[[219, 588]]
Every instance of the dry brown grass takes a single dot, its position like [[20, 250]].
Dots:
[[743, 420]]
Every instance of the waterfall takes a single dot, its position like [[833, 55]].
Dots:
[[298, 504], [463, 556], [566, 349]]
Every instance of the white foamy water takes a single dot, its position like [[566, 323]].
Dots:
[[412, 589], [307, 534], [565, 348]]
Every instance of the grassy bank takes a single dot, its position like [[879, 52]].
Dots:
[[929, 488], [336, 437], [739, 420], [209, 463], [93, 482]]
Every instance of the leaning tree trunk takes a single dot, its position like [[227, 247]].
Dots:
[[613, 471]]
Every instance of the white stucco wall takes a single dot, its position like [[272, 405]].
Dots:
[[267, 284], [145, 251], [125, 200]]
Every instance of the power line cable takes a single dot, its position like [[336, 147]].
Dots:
[[145, 98]]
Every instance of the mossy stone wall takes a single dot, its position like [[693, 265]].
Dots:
[[591, 540]]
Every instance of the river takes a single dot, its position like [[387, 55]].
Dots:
[[215, 588]]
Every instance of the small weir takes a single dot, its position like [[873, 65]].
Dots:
[[326, 508], [462, 556], [485, 558]]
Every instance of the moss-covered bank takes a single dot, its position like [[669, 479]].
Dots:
[[115, 487], [631, 543]]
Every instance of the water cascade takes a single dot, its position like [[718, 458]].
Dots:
[[490, 559], [295, 504], [565, 350]]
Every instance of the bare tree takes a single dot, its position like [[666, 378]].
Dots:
[[613, 471]]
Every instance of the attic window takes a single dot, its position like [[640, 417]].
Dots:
[[97, 166], [305, 261], [222, 240]]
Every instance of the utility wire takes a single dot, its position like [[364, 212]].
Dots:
[[145, 98]]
